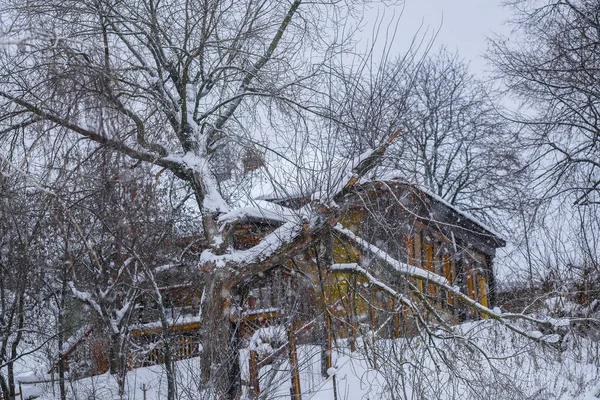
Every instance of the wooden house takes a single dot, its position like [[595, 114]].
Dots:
[[328, 302], [316, 296], [410, 224]]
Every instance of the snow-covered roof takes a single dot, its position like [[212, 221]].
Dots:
[[365, 182], [440, 200], [457, 210]]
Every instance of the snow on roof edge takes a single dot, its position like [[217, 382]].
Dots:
[[421, 188], [462, 213]]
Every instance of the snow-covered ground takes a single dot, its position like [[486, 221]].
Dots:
[[496, 365]]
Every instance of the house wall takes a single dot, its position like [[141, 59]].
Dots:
[[399, 222]]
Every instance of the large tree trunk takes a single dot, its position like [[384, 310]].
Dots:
[[118, 360], [219, 359], [11, 381]]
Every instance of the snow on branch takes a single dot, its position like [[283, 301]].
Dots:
[[243, 214], [86, 298], [403, 268], [297, 229], [414, 272], [269, 246], [359, 167], [355, 268], [199, 164]]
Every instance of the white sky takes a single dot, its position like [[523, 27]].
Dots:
[[464, 25]]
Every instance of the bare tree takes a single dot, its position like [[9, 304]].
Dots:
[[454, 144], [116, 209], [553, 69], [23, 236]]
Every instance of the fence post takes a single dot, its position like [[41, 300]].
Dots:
[[254, 379], [296, 393]]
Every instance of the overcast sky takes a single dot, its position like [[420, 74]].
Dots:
[[464, 25]]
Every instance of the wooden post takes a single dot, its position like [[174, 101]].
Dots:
[[254, 379], [233, 364], [326, 362], [144, 390], [327, 351], [396, 310], [295, 391], [371, 305]]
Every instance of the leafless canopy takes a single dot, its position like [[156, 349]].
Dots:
[[555, 67]]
